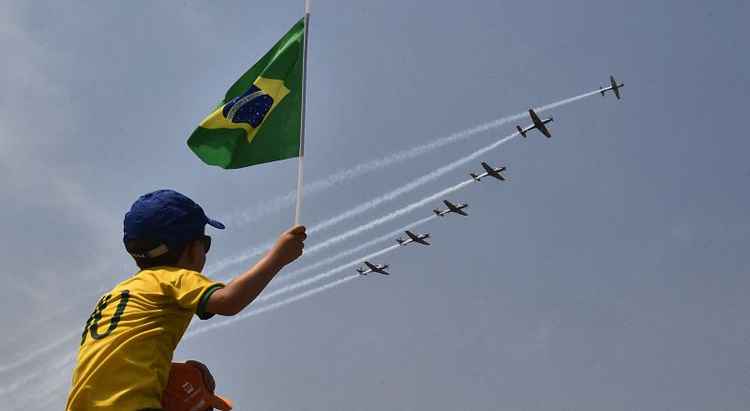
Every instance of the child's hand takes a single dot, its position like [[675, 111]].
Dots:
[[289, 245]]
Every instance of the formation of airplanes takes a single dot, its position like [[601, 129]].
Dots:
[[489, 171]]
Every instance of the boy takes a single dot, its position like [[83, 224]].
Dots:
[[127, 343]]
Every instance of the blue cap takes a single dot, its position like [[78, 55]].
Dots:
[[165, 217]]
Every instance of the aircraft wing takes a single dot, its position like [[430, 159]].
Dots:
[[459, 211], [541, 127], [487, 168], [534, 118], [614, 86]]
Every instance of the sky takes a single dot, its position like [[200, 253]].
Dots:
[[609, 272]]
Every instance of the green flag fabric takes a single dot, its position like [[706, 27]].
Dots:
[[259, 119]]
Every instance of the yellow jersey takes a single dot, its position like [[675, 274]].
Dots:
[[128, 341]]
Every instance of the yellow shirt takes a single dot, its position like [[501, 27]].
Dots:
[[127, 343]]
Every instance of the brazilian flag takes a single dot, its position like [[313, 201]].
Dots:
[[259, 119]]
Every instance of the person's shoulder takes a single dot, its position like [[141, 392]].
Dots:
[[154, 277], [166, 271], [170, 273]]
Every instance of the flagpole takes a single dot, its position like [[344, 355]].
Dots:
[[300, 167]]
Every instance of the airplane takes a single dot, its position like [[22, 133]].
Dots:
[[613, 86], [489, 171], [538, 124], [373, 268], [452, 208], [414, 238]]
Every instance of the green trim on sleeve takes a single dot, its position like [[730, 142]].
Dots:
[[201, 309]]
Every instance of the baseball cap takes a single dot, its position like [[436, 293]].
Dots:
[[189, 388], [166, 218]]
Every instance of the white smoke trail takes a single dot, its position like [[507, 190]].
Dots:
[[319, 277], [327, 274], [390, 236], [372, 203], [36, 353], [377, 164], [248, 216], [23, 382], [212, 269], [420, 203], [566, 101], [373, 165], [291, 288], [273, 306], [54, 378], [388, 217]]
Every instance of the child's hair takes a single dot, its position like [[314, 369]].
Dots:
[[169, 258]]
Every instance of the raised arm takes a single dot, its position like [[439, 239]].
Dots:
[[242, 290]]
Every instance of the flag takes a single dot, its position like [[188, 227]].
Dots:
[[259, 119]]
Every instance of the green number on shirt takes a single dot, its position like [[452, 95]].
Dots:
[[92, 324]]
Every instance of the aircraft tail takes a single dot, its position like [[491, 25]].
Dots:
[[437, 212], [520, 130], [474, 176], [601, 90]]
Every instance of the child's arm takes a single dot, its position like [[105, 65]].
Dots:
[[241, 291]]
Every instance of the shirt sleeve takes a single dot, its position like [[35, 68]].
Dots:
[[191, 290]]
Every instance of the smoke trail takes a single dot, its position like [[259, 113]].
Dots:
[[24, 381], [419, 203], [273, 306], [389, 217], [56, 378], [377, 164], [332, 259], [236, 259], [319, 277], [36, 353], [293, 287], [566, 101], [372, 203], [288, 199]]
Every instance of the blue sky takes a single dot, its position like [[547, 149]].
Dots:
[[610, 271]]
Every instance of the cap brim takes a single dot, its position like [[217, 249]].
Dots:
[[216, 224], [220, 403]]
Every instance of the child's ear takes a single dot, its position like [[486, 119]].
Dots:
[[196, 248], [189, 253]]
